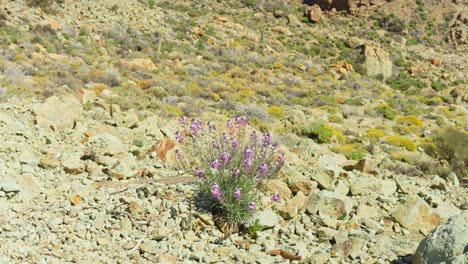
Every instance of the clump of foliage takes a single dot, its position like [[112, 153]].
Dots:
[[391, 23], [276, 112], [451, 145], [401, 141], [404, 81], [229, 163], [386, 111], [351, 151], [318, 132], [408, 124]]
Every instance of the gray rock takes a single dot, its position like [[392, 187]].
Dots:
[[321, 178], [58, 113], [107, 144], [369, 185], [377, 62], [266, 218], [10, 185], [329, 204], [445, 244], [416, 215], [72, 163]]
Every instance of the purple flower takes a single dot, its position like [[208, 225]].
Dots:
[[215, 164], [280, 160], [252, 207], [225, 158], [248, 158], [254, 137], [263, 169], [199, 172], [276, 198], [179, 136], [235, 172], [266, 139], [237, 194], [247, 163], [275, 146], [196, 127], [211, 127], [241, 121], [230, 124], [216, 191], [215, 144], [183, 121], [234, 142], [224, 138], [178, 154]]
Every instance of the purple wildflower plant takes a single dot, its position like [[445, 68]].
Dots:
[[179, 136], [225, 158], [216, 191], [229, 161], [237, 194], [252, 207]]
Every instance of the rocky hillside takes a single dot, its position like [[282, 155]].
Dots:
[[368, 99]]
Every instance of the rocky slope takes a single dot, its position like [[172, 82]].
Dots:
[[90, 92]]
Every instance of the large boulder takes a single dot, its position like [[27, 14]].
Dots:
[[377, 62], [417, 215], [58, 113], [446, 244]]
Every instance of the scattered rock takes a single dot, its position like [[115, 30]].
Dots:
[[313, 13], [416, 215], [365, 185], [277, 186], [266, 218], [329, 204], [292, 207]]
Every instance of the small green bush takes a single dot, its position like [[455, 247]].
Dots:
[[386, 111], [317, 131], [151, 4]]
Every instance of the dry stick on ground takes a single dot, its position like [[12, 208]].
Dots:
[[139, 242]]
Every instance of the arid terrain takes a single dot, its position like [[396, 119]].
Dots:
[[366, 98]]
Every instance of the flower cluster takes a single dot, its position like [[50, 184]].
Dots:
[[230, 163]]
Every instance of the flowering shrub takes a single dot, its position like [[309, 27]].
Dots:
[[230, 164]]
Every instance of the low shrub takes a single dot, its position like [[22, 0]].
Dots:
[[351, 151], [408, 124], [451, 145], [229, 163], [386, 111], [401, 141], [276, 112]]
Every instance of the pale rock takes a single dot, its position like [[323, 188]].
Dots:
[[314, 13], [299, 182], [277, 186], [58, 113], [107, 144], [373, 225], [351, 248], [292, 207], [326, 233], [10, 185], [72, 163], [332, 162], [10, 125], [365, 211], [339, 186], [30, 186], [365, 185], [321, 178], [329, 204], [377, 62], [446, 243], [447, 210], [416, 215], [453, 179], [266, 218]]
